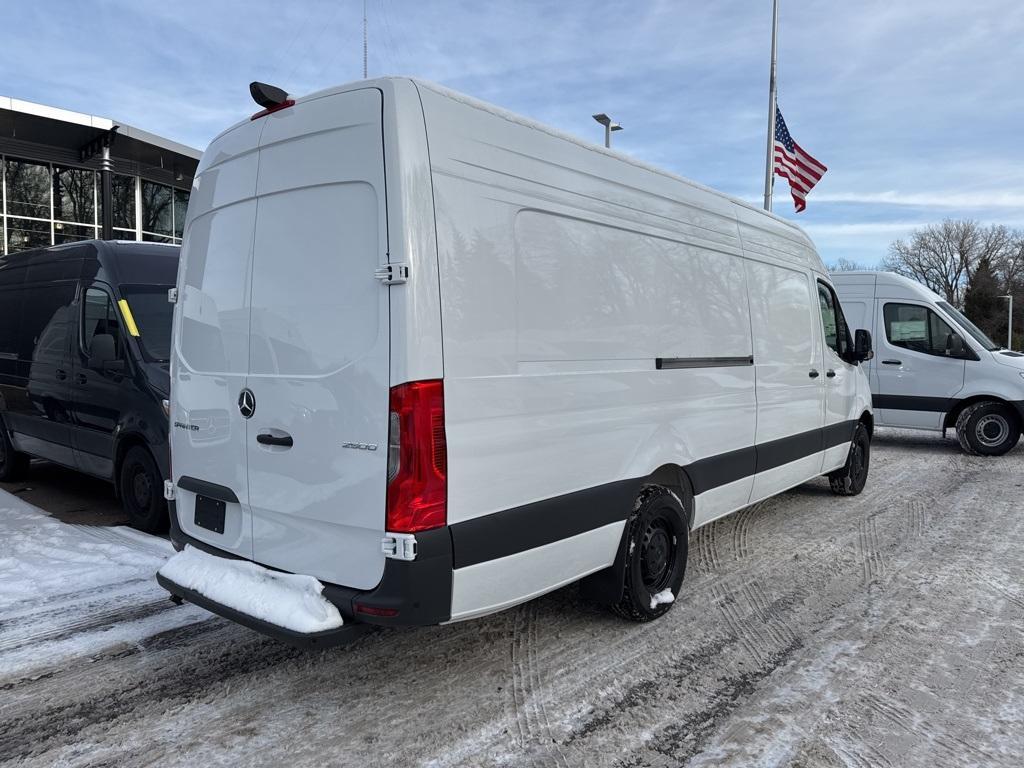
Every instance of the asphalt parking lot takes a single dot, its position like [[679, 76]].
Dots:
[[881, 630]]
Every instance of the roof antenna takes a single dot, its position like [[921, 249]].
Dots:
[[364, 39]]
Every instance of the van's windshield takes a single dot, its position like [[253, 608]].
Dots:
[[152, 313], [967, 325]]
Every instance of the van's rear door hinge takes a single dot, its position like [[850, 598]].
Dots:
[[400, 546], [392, 274]]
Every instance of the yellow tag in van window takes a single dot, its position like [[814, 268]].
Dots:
[[129, 321]]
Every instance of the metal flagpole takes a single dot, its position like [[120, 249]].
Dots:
[[769, 164]]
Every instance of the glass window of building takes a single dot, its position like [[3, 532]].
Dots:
[[180, 206], [122, 191], [49, 204], [74, 195], [28, 189], [157, 212]]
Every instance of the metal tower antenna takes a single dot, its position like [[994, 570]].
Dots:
[[364, 39]]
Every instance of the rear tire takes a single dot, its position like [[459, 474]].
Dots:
[[13, 465], [850, 480], [988, 428], [142, 492], [655, 553]]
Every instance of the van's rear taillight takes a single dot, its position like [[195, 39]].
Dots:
[[417, 458]]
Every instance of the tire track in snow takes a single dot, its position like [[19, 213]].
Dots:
[[90, 622], [528, 691], [870, 556]]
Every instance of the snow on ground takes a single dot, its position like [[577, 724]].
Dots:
[[881, 630], [67, 590]]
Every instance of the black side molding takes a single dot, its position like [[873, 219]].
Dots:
[[663, 363], [209, 490], [915, 403]]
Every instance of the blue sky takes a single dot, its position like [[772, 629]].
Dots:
[[916, 107]]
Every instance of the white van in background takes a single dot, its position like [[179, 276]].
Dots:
[[463, 360], [933, 368]]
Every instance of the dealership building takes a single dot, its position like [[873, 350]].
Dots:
[[69, 176]]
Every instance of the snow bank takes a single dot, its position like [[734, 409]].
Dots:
[[41, 557], [665, 596], [288, 600]]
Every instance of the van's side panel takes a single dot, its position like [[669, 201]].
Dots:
[[790, 376], [565, 276]]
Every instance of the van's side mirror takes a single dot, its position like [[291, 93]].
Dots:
[[103, 354], [862, 349], [955, 346]]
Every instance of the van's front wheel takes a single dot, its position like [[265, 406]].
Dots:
[[655, 555], [988, 428], [850, 480], [142, 492]]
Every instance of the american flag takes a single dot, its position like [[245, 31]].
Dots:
[[793, 164]]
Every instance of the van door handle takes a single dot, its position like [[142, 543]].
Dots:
[[813, 374], [892, 362], [61, 374], [830, 373], [265, 438]]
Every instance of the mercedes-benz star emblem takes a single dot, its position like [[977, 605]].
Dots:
[[247, 403]]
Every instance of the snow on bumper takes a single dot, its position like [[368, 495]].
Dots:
[[287, 600]]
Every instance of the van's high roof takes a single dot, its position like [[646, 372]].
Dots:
[[877, 278], [384, 82], [122, 262]]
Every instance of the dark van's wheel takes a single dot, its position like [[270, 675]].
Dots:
[[988, 428], [655, 555], [850, 480], [142, 492], [13, 465]]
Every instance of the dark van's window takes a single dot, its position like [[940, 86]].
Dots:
[[99, 316], [916, 328], [45, 312], [153, 315]]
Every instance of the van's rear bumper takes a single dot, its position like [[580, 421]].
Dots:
[[331, 637], [420, 590]]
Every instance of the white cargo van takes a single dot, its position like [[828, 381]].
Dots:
[[934, 368], [432, 360]]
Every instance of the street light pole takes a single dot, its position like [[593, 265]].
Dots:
[[609, 126], [1009, 323]]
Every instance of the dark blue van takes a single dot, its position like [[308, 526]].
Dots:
[[85, 335]]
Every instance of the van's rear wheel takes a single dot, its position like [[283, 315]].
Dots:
[[655, 555], [13, 465], [142, 492], [850, 480], [988, 428]]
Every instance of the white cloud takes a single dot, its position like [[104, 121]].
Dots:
[[936, 199]]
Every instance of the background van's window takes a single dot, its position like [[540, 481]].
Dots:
[[153, 315], [44, 315], [916, 328]]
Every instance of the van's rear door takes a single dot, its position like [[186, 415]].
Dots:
[[319, 342], [210, 360]]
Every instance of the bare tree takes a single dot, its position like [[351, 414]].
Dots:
[[944, 256], [844, 265]]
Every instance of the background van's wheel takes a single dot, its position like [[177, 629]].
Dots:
[[988, 428], [13, 465], [655, 554], [850, 480], [142, 492]]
